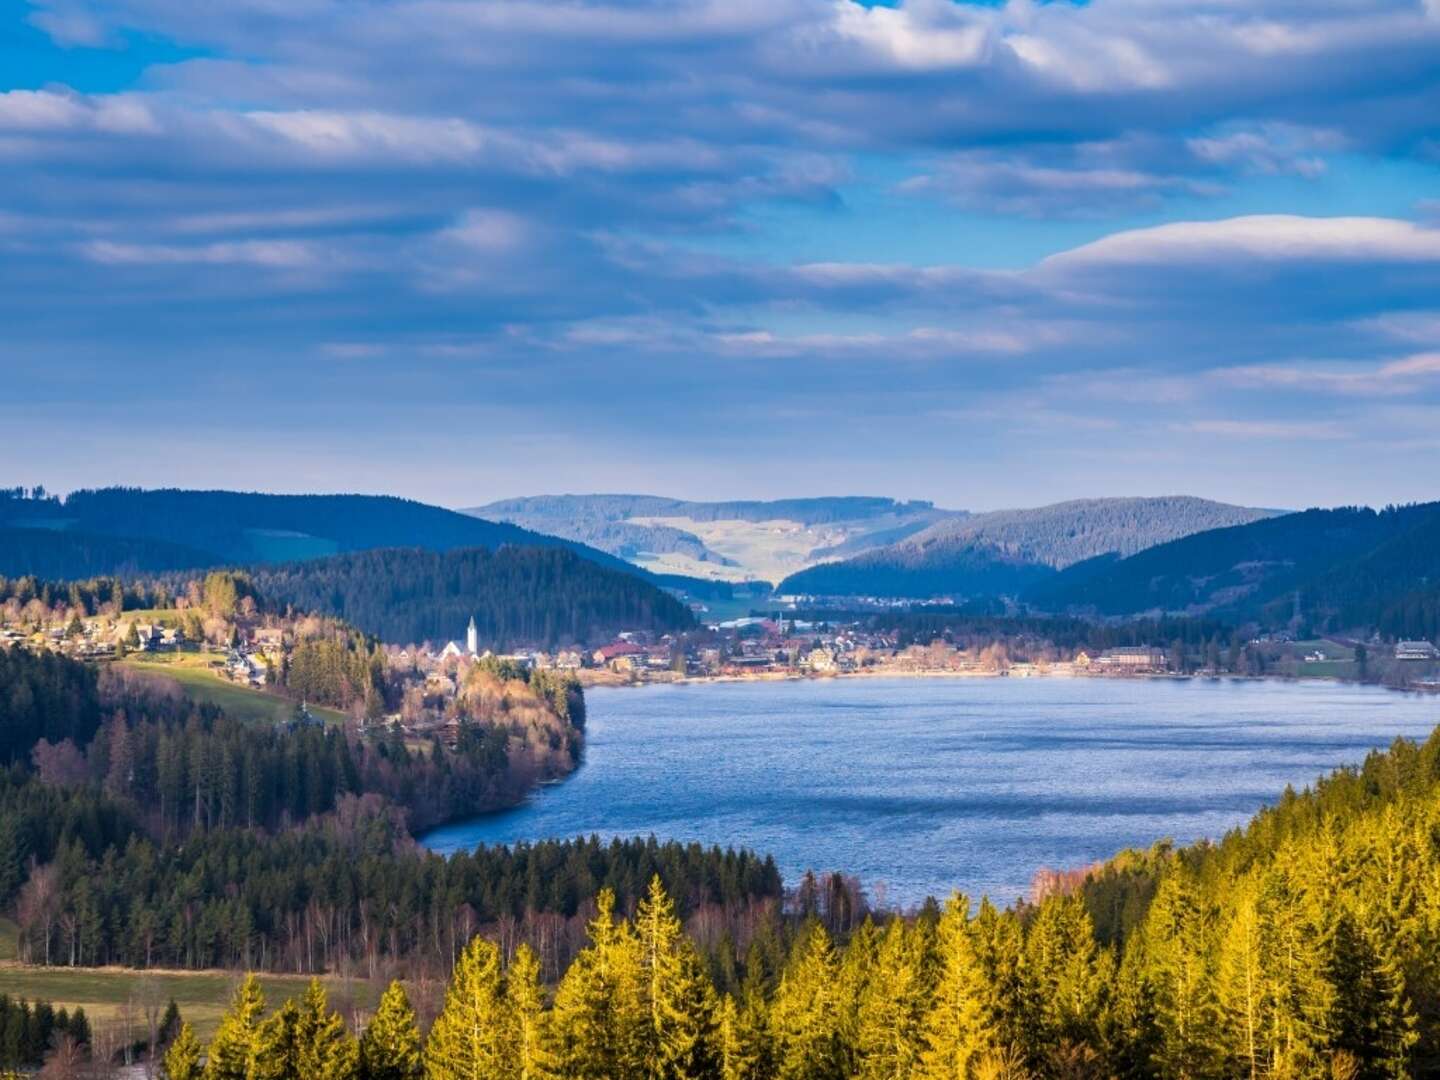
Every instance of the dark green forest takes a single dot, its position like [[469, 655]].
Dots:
[[1337, 569], [516, 595]]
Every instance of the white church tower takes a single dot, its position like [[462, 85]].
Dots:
[[472, 638]]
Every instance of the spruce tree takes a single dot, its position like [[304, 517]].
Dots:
[[682, 1038], [182, 1057], [277, 1045], [233, 1049], [1370, 1016], [745, 1050], [525, 997], [688, 1046], [891, 1034], [326, 1047], [804, 1020], [1178, 949], [600, 1022], [955, 1035], [390, 1046], [471, 1039]]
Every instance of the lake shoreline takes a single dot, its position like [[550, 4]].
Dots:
[[914, 782], [591, 679]]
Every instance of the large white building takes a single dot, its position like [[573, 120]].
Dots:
[[1416, 650]]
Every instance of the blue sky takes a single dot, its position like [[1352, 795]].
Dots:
[[990, 255]]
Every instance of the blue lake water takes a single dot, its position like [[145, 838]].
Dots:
[[921, 786]]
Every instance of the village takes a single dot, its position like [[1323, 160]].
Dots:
[[425, 682]]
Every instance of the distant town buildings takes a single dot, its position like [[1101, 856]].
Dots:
[[1130, 659], [1416, 650]]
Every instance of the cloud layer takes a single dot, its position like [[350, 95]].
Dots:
[[635, 238]]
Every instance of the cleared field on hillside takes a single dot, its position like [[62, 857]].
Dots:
[[201, 683], [106, 993]]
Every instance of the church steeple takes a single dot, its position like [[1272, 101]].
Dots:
[[472, 638]]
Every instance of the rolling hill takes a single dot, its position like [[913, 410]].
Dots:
[[517, 595], [1008, 551], [123, 529], [724, 541], [1341, 568]]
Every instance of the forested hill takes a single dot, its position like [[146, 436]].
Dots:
[[175, 529], [1345, 568], [68, 555], [1007, 550], [819, 510], [530, 596]]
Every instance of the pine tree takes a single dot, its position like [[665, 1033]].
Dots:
[[600, 1022], [525, 997], [277, 1045], [891, 1035], [804, 1020], [182, 1058], [233, 1049], [689, 1025], [390, 1047], [681, 1002], [745, 1051], [1065, 979], [471, 1039], [955, 1033], [1370, 1016], [326, 1047], [1178, 948], [1244, 997]]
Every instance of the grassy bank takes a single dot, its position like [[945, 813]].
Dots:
[[202, 683]]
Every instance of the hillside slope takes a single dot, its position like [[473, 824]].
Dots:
[[228, 527], [46, 553], [518, 596], [730, 541], [1007, 550], [1338, 567]]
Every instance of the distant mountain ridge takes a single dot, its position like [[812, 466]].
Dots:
[[730, 540], [1009, 551], [1344, 568], [156, 529]]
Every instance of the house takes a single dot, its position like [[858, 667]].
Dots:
[[452, 648], [820, 661], [1416, 650], [607, 654], [569, 660], [270, 640], [1130, 659]]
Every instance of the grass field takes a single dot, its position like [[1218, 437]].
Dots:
[[9, 934], [201, 683], [202, 995]]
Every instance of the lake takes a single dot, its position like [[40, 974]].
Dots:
[[921, 786]]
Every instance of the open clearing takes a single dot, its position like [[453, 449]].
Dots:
[[202, 683], [106, 993]]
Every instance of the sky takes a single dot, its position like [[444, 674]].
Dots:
[[988, 255]]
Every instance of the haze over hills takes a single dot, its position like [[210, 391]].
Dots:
[[727, 541], [1008, 550]]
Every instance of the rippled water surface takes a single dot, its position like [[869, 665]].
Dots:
[[922, 786]]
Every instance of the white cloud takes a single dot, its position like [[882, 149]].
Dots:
[[270, 254], [1277, 237]]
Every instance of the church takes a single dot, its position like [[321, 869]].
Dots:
[[472, 643]]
